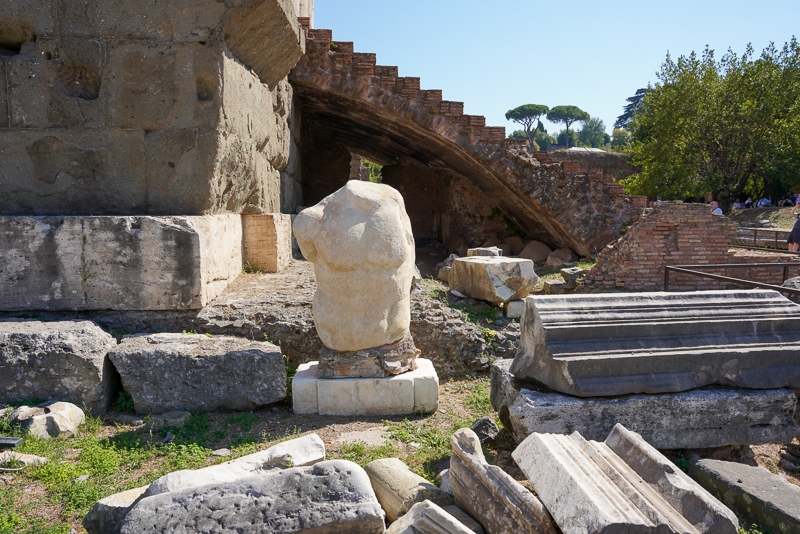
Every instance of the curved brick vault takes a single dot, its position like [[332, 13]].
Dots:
[[379, 115]]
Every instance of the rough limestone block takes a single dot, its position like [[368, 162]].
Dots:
[[267, 241], [300, 452], [412, 392], [517, 245], [489, 494], [427, 518], [63, 360], [481, 251], [398, 488], [360, 241], [107, 515], [615, 344], [493, 279], [514, 308], [49, 420], [536, 251], [620, 485], [167, 372], [571, 275], [117, 263], [555, 287], [330, 497], [753, 492], [696, 419]]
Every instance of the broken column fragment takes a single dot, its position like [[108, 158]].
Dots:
[[398, 488], [360, 241], [606, 345], [495, 279], [620, 485], [497, 501]]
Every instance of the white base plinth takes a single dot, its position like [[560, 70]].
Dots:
[[412, 392]]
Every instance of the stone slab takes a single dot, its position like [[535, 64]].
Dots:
[[412, 392], [267, 241], [616, 344], [330, 497], [427, 518], [107, 515], [168, 372], [703, 418], [495, 279], [117, 263], [489, 494], [399, 489], [514, 308], [620, 485], [64, 360], [300, 452], [753, 492]]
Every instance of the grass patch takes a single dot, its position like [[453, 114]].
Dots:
[[480, 313], [362, 455]]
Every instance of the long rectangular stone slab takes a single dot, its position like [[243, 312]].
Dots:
[[117, 263], [620, 485], [606, 345], [703, 418], [753, 492]]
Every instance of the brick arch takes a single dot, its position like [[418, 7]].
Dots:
[[373, 112]]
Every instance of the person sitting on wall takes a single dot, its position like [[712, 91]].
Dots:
[[748, 203], [737, 205], [794, 235], [715, 209]]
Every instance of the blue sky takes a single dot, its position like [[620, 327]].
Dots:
[[497, 54]]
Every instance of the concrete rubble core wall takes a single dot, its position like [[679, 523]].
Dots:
[[133, 108]]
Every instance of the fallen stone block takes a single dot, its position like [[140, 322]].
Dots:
[[489, 494], [536, 251], [571, 275], [517, 244], [117, 263], [753, 492], [64, 360], [464, 518], [330, 497], [49, 420], [398, 488], [107, 515], [493, 279], [169, 372], [620, 485], [514, 308], [299, 452], [411, 392], [427, 518], [484, 251], [559, 257], [703, 418], [486, 430], [555, 287], [615, 344]]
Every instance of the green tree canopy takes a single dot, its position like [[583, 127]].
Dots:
[[624, 120], [519, 134], [573, 138], [593, 133], [567, 115], [621, 138], [543, 139], [528, 116], [728, 127]]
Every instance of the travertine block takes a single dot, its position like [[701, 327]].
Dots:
[[398, 488], [621, 485], [267, 241], [427, 518], [495, 279], [107, 515], [117, 263]]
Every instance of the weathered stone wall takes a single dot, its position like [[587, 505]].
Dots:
[[610, 166], [326, 163], [679, 234], [163, 107]]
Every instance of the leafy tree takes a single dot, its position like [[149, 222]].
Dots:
[[624, 120], [573, 138], [543, 139], [528, 116], [726, 127], [567, 115], [519, 134], [621, 138], [593, 133]]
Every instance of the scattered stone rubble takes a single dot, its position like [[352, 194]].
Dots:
[[495, 279], [49, 420]]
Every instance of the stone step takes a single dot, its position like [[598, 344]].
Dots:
[[606, 345], [620, 485], [699, 419]]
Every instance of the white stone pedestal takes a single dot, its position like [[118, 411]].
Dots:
[[411, 392]]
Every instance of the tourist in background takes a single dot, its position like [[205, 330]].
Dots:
[[737, 205], [794, 235], [715, 209]]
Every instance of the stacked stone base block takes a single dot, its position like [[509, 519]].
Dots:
[[411, 392], [117, 263], [702, 418], [267, 241]]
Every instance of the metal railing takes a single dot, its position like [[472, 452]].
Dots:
[[690, 270], [775, 232]]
